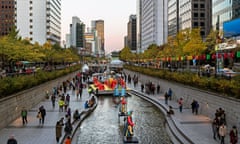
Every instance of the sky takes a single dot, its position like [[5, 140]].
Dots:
[[115, 14]]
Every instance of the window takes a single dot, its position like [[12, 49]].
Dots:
[[30, 14], [202, 15], [202, 24], [30, 26], [30, 20], [30, 33], [195, 5], [195, 15], [195, 24]]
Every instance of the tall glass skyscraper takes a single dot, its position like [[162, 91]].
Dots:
[[224, 10]]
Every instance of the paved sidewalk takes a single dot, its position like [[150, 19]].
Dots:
[[198, 128], [33, 132]]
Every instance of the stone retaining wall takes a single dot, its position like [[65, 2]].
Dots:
[[208, 101], [11, 106]]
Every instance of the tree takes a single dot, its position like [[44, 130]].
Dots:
[[195, 46]]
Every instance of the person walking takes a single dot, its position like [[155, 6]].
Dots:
[[58, 131], [158, 88], [222, 133], [170, 93], [233, 135], [53, 99], [42, 110], [61, 103], [12, 140], [196, 108], [193, 106], [24, 115], [180, 103], [166, 98]]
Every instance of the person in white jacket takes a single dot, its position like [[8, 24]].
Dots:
[[222, 132]]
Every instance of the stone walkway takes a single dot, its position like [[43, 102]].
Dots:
[[33, 132]]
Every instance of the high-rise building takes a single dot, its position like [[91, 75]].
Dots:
[[7, 16], [224, 10], [132, 33], [194, 14], [77, 30], [139, 33], [173, 17], [39, 20], [98, 28], [153, 22]]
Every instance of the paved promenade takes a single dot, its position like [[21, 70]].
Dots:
[[196, 127], [33, 132]]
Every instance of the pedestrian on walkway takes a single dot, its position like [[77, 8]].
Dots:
[[193, 106], [42, 110], [215, 128], [61, 104], [170, 93], [53, 99], [222, 132], [158, 88], [180, 103], [196, 108], [58, 130], [233, 135], [24, 115], [166, 98], [68, 127], [68, 140], [12, 140], [142, 87]]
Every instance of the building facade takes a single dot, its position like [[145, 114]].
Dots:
[[139, 33], [153, 21], [224, 10], [39, 20], [132, 33], [77, 30], [195, 14], [7, 16], [173, 17], [98, 27]]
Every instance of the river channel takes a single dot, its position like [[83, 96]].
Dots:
[[104, 127]]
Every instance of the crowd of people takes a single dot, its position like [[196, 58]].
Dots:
[[219, 126]]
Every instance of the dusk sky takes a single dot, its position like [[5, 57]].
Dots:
[[115, 14]]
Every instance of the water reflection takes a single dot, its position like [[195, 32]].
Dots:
[[103, 127]]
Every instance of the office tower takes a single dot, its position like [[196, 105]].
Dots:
[[39, 20], [7, 16], [153, 22], [194, 14], [224, 10], [132, 33], [173, 17], [98, 29], [139, 33], [77, 30]]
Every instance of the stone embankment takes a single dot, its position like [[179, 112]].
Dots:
[[11, 106]]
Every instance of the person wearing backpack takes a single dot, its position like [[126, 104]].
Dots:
[[24, 115]]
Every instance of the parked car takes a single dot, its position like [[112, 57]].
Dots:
[[226, 72]]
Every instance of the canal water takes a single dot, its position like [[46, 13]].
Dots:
[[104, 127]]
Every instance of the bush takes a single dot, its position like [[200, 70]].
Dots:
[[228, 87]]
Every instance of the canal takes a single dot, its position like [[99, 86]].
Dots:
[[104, 127]]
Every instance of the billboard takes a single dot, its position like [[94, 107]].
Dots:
[[231, 28]]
